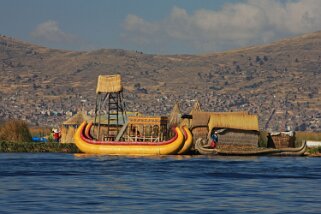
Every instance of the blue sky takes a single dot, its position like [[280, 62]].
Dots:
[[158, 27]]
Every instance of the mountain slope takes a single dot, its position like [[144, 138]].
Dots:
[[280, 81]]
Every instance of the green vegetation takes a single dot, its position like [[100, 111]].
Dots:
[[315, 150], [15, 137], [6, 146]]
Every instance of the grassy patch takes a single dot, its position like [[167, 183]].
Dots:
[[314, 150], [6, 146]]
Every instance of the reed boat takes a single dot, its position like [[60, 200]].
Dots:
[[87, 144], [204, 150], [188, 141]]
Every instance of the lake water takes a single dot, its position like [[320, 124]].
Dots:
[[67, 183]]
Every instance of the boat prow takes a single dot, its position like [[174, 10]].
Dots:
[[87, 131], [187, 142]]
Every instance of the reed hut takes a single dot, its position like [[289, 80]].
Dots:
[[70, 126], [200, 120], [235, 129]]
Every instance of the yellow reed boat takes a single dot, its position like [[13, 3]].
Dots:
[[172, 146], [188, 141]]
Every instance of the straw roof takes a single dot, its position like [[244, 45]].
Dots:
[[202, 118], [77, 119], [175, 115], [109, 83], [234, 121], [196, 107]]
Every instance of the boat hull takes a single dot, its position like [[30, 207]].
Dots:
[[91, 146], [257, 152]]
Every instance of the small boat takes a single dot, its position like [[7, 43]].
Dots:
[[205, 150], [87, 144]]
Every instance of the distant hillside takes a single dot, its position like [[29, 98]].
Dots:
[[280, 82]]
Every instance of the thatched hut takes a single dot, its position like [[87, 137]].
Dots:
[[70, 126], [200, 121], [235, 129]]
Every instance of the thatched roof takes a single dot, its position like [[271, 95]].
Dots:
[[175, 116], [109, 83], [202, 118], [196, 107], [77, 119], [234, 121]]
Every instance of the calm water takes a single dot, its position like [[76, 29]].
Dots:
[[65, 183]]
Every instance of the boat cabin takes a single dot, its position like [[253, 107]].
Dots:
[[146, 129]]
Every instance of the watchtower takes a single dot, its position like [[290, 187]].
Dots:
[[109, 99]]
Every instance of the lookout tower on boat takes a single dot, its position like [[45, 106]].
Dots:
[[109, 99]]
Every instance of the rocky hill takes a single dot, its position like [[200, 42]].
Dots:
[[280, 82]]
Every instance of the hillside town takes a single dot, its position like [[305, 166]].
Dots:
[[37, 89], [274, 114]]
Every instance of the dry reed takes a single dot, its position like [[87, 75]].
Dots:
[[15, 131]]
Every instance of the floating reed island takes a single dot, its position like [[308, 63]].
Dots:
[[115, 131], [236, 133]]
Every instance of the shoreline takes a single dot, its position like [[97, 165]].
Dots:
[[35, 147], [39, 147]]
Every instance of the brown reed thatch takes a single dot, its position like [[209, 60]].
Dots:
[[175, 116], [199, 132], [238, 137], [196, 107], [67, 134], [77, 119], [202, 118], [109, 84], [234, 121], [70, 126], [281, 140], [15, 131]]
